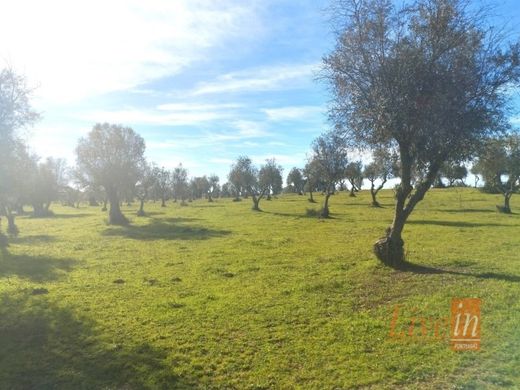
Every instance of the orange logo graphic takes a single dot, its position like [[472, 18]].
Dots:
[[462, 330], [465, 324]]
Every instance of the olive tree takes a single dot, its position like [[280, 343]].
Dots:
[[111, 156], [146, 181], [354, 175], [382, 168], [296, 181], [257, 183], [429, 79], [499, 165], [180, 185], [236, 180], [16, 113], [330, 154], [214, 187], [162, 184], [311, 174], [453, 172], [47, 181], [270, 177]]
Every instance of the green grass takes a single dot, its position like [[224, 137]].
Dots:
[[214, 295]]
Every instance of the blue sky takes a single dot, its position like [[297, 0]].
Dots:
[[202, 81]]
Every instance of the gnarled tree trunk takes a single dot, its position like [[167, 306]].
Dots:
[[506, 208], [311, 198], [140, 212], [324, 213], [12, 229], [390, 248], [115, 216]]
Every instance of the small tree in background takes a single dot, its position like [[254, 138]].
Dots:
[[111, 156], [147, 180], [296, 181], [47, 181], [383, 167], [236, 180], [227, 190], [311, 173], [499, 165], [162, 184], [213, 187], [256, 182], [453, 172], [330, 155], [180, 185], [354, 175], [270, 177]]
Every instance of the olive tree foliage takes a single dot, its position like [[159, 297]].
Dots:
[[227, 190], [162, 184], [180, 184], [146, 180], [429, 79], [354, 175], [16, 113], [270, 177], [257, 183], [330, 155], [311, 174], [499, 165], [236, 179], [453, 172], [47, 182], [213, 187], [112, 157], [383, 167], [199, 187], [244, 175], [296, 181]]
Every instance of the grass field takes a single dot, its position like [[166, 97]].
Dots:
[[214, 295]]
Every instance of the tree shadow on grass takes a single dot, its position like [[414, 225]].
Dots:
[[60, 216], [465, 211], [35, 239], [34, 268], [456, 223], [425, 270], [45, 346], [165, 229]]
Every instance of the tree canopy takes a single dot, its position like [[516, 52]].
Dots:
[[429, 79], [112, 156]]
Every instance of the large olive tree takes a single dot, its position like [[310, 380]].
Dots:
[[112, 156], [430, 79], [16, 113]]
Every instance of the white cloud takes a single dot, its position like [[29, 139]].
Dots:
[[246, 131], [283, 159], [221, 161], [55, 140], [515, 120], [150, 117], [197, 107], [259, 79], [75, 49], [294, 113]]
